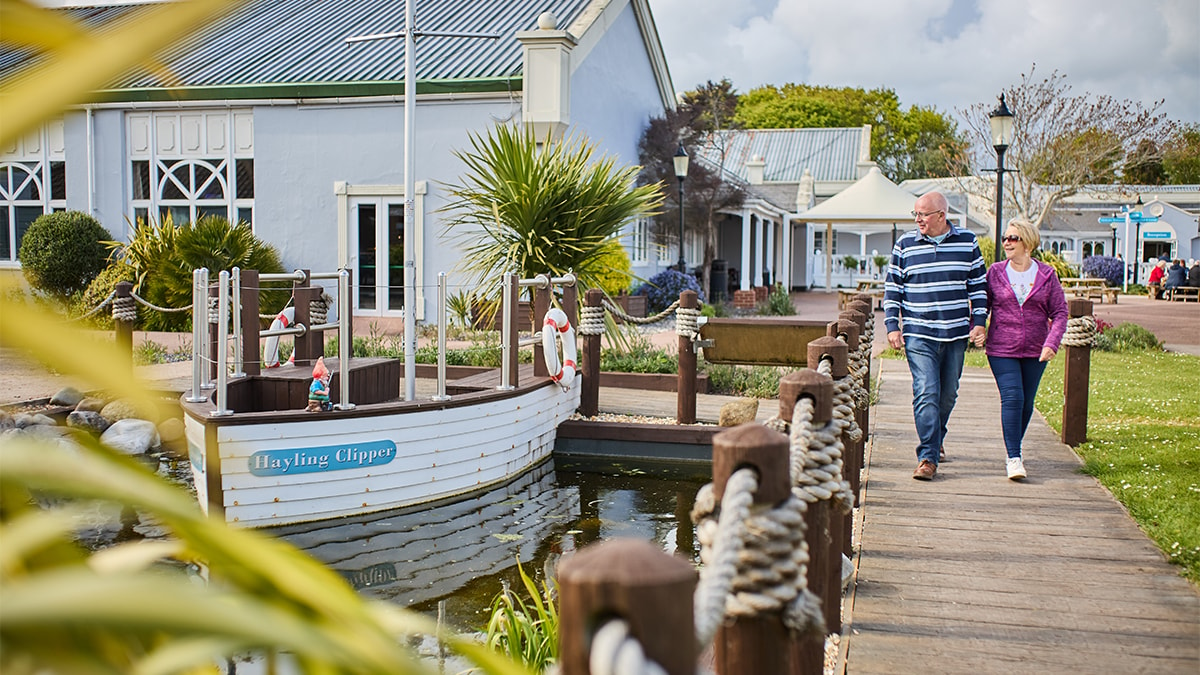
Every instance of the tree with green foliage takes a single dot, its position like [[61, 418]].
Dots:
[[1062, 143], [1144, 165], [160, 258], [534, 207], [917, 143], [704, 118], [62, 252], [1181, 155]]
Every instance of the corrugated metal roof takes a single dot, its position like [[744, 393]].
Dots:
[[267, 42], [829, 154]]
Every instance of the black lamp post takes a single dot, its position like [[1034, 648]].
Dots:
[[681, 169], [1114, 240], [1001, 121]]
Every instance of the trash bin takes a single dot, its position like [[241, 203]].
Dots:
[[718, 281]]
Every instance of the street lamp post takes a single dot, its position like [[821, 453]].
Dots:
[[1114, 240], [681, 169], [1001, 121]]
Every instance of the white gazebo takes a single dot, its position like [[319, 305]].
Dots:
[[874, 208]]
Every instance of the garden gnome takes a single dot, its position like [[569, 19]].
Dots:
[[318, 391]]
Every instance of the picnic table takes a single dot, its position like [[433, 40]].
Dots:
[[871, 287], [1090, 288]]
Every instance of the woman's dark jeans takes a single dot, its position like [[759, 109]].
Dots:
[[1017, 380]]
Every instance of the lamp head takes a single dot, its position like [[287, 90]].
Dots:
[[1001, 121], [681, 162]]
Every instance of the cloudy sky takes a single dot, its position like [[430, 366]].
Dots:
[[944, 53]]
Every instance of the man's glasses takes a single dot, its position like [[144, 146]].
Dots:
[[1010, 238], [919, 214]]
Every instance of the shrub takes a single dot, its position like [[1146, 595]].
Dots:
[[779, 303], [1106, 267], [1061, 267], [1127, 337], [162, 258], [613, 272], [97, 291], [850, 262], [664, 288], [62, 252], [881, 262], [640, 357]]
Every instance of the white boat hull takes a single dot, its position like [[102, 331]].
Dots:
[[275, 469]]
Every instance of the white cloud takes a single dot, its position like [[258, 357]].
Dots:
[[945, 53]]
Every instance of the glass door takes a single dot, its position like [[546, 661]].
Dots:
[[378, 249]]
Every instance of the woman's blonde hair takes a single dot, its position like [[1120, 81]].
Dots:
[[1027, 232]]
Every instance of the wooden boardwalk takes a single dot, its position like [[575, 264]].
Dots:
[[973, 573]]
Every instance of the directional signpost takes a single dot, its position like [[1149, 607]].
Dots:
[[1129, 216]]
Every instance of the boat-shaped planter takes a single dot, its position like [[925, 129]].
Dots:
[[266, 464]]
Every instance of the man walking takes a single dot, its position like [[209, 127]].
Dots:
[[934, 300]]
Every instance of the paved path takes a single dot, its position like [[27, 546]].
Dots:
[[973, 573]]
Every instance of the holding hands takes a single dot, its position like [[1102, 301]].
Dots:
[[977, 336]]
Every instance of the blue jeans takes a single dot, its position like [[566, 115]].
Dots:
[[936, 368], [1017, 380]]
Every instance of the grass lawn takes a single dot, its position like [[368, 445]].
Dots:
[[1143, 440]]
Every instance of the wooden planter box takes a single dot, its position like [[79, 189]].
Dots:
[[633, 305]]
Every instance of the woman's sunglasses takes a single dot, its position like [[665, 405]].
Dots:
[[1010, 237]]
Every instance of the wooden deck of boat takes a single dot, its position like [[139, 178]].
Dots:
[[975, 573]]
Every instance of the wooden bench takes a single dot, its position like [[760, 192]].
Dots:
[[1182, 293], [1089, 288], [847, 295]]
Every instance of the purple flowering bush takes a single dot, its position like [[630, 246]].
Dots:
[[1105, 267], [664, 288]]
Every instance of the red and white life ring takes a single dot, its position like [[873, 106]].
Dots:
[[271, 348], [556, 323]]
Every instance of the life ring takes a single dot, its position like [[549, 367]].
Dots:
[[271, 348], [556, 323]]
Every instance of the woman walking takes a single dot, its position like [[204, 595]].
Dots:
[[1028, 320]]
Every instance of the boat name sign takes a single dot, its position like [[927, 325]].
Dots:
[[323, 458]]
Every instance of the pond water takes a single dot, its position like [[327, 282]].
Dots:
[[462, 553]]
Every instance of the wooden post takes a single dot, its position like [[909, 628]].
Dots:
[[306, 348], [514, 297], [589, 395], [862, 304], [758, 644], [686, 390], [122, 329], [635, 581], [824, 558], [541, 305], [251, 355], [215, 342], [1076, 372], [840, 531], [570, 301], [847, 328]]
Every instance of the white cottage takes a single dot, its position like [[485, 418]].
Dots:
[[269, 115]]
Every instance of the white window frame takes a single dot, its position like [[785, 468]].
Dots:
[[349, 197], [33, 155], [819, 241], [639, 243], [170, 141]]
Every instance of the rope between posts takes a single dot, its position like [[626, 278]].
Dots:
[[1081, 331], [618, 312], [615, 652], [185, 308], [97, 308]]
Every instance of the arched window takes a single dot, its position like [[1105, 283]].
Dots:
[[33, 181]]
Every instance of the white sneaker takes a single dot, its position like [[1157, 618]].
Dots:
[[1016, 468]]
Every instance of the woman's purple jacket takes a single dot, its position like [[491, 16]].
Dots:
[[1020, 331]]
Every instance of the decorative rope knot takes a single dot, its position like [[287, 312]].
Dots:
[[214, 310], [686, 322], [124, 309], [755, 559], [1081, 331], [591, 320], [318, 311]]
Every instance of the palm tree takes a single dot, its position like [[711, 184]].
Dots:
[[533, 208]]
